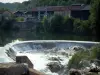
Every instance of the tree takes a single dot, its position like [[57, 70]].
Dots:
[[95, 17], [68, 24], [6, 29], [45, 24], [56, 23]]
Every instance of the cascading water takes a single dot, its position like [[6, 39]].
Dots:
[[50, 57]]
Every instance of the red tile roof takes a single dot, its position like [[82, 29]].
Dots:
[[59, 8], [51, 8]]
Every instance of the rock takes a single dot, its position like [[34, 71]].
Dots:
[[89, 71], [78, 48], [74, 72], [55, 66], [95, 70], [63, 52], [13, 69], [55, 59], [35, 72]]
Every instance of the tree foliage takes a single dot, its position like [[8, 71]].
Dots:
[[10, 6], [6, 29], [26, 5], [85, 56], [59, 24], [95, 17]]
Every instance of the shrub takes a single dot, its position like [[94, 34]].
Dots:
[[19, 19], [88, 55], [95, 52], [74, 62]]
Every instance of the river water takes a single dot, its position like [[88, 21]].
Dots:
[[44, 52]]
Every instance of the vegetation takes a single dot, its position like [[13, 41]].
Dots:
[[19, 19], [6, 27], [95, 18], [67, 26], [75, 61], [83, 59], [58, 24], [10, 6], [26, 5]]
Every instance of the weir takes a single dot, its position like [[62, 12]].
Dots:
[[45, 53]]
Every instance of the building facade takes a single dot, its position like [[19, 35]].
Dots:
[[75, 11]]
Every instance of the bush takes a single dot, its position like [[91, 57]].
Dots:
[[68, 24], [19, 19], [93, 54], [74, 62], [56, 23], [45, 24]]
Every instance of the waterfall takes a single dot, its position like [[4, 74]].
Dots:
[[43, 53]]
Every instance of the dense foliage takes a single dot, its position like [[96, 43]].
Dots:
[[95, 18], [58, 24], [10, 6], [6, 27], [26, 5], [84, 58]]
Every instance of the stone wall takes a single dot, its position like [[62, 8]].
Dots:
[[24, 59]]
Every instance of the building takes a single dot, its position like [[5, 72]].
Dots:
[[19, 14], [5, 13], [80, 11]]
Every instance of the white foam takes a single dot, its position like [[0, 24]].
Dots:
[[3, 56], [40, 59]]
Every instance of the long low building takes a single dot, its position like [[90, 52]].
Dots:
[[76, 11]]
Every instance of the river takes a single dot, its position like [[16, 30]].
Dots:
[[44, 52]]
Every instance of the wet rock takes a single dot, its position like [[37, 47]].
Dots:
[[55, 59], [78, 48], [95, 70], [85, 71], [74, 72], [63, 52], [55, 66]]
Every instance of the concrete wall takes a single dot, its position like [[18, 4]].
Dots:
[[24, 59]]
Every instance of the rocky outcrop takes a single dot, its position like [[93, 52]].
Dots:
[[55, 59], [17, 69], [22, 66], [91, 71], [13, 69], [55, 66], [74, 72], [78, 48]]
